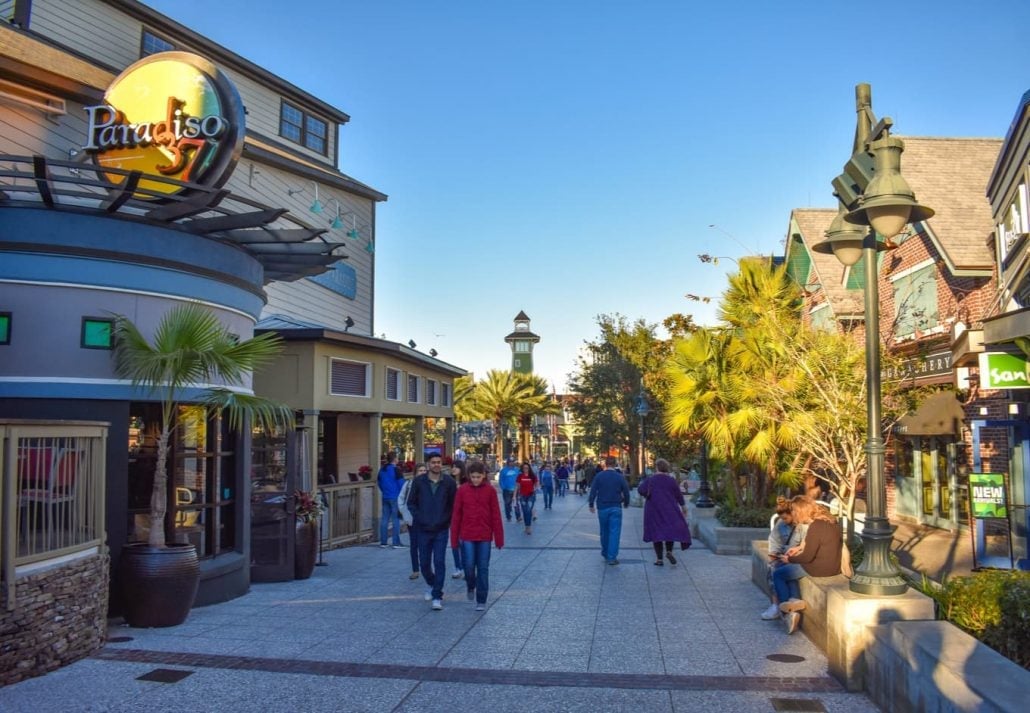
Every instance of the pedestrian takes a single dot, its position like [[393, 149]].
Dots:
[[527, 484], [817, 556], [460, 477], [784, 534], [561, 474], [390, 481], [581, 475], [477, 521], [665, 512], [506, 479], [610, 491], [402, 505], [547, 485], [431, 503], [460, 455]]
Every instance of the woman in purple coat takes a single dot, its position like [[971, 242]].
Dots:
[[664, 512]]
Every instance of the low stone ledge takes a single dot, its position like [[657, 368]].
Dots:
[[934, 665], [839, 621], [59, 616], [728, 540]]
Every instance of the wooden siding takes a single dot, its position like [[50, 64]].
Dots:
[[25, 131], [113, 38], [6, 10]]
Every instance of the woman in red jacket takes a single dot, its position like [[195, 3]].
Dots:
[[475, 522]]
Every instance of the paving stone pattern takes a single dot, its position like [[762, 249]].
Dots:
[[562, 632]]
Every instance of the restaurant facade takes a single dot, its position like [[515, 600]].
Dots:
[[143, 166]]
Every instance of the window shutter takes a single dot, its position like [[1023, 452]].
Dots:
[[431, 392], [348, 378], [412, 388], [446, 394], [393, 385]]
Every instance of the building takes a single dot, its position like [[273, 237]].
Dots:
[[936, 280], [522, 340], [219, 185]]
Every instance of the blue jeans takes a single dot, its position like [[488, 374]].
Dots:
[[548, 495], [610, 521], [563, 487], [507, 495], [477, 567], [413, 547], [785, 581], [432, 551], [390, 513], [459, 556], [527, 509]]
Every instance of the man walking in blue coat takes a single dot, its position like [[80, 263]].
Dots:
[[506, 479], [610, 491], [390, 482]]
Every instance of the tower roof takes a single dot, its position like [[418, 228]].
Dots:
[[521, 316]]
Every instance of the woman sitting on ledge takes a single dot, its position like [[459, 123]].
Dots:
[[817, 556]]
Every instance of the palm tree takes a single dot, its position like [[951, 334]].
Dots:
[[537, 402], [500, 398], [191, 347]]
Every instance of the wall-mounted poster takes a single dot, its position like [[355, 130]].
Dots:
[[987, 497]]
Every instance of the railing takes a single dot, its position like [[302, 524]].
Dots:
[[52, 485], [351, 513]]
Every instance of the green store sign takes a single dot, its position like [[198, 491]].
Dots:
[[987, 496], [999, 370]]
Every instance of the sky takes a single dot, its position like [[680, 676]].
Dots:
[[569, 158]]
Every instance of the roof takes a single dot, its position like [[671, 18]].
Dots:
[[295, 330], [950, 175], [829, 272], [521, 316], [522, 335]]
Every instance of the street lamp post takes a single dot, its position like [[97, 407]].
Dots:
[[643, 408], [877, 197], [704, 491]]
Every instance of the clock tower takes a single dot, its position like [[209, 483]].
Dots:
[[522, 341]]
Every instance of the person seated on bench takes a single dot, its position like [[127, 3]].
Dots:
[[784, 534], [818, 556]]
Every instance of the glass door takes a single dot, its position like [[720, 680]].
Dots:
[[272, 524]]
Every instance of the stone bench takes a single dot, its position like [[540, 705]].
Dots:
[[935, 666], [838, 620]]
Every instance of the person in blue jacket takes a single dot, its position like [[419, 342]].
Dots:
[[610, 491], [506, 480], [390, 480]]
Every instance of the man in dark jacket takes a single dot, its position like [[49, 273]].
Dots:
[[431, 503], [610, 491]]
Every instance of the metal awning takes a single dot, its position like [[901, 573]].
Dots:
[[287, 247], [939, 414]]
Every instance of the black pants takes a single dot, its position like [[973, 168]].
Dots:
[[658, 548]]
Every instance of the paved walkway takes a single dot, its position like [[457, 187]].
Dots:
[[563, 632]]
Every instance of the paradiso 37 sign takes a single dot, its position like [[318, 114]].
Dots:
[[171, 114]]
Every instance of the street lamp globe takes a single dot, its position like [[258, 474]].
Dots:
[[843, 240], [888, 203]]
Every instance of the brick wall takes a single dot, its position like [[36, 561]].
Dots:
[[60, 617]]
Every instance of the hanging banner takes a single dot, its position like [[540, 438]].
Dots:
[[987, 496]]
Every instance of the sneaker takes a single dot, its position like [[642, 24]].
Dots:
[[658, 563], [428, 595], [613, 562], [398, 547], [470, 595], [383, 545], [437, 605], [791, 622], [668, 556], [458, 575], [481, 607], [414, 575], [792, 605], [773, 612]]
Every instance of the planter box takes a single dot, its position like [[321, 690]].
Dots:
[[728, 540]]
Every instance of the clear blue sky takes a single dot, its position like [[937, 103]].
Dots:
[[566, 157]]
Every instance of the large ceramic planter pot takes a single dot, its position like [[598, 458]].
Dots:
[[305, 549], [158, 584]]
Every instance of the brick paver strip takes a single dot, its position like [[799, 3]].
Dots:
[[510, 677]]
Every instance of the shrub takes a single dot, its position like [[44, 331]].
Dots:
[[993, 606], [743, 516]]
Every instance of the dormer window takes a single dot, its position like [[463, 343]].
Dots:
[[303, 128], [152, 44]]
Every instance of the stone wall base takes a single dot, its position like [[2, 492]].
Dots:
[[60, 617]]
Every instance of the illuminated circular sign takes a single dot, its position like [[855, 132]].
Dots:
[[171, 114]]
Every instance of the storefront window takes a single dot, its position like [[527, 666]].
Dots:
[[200, 484]]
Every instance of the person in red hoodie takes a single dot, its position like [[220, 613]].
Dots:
[[477, 521]]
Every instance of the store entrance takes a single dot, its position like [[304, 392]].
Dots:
[[274, 477], [942, 480]]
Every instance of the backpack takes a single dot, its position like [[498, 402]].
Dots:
[[846, 567]]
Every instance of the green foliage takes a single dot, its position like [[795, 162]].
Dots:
[[993, 606], [743, 516]]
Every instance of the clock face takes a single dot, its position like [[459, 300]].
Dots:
[[521, 327]]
